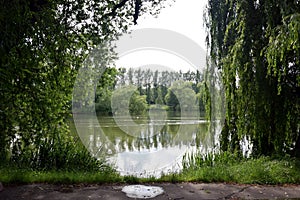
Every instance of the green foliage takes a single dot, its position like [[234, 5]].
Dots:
[[42, 46], [181, 96], [24, 176], [138, 104], [227, 167], [127, 99], [217, 167], [197, 160], [105, 88], [154, 85], [203, 98], [255, 45], [56, 154], [172, 101]]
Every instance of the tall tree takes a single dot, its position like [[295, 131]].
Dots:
[[255, 46], [42, 45]]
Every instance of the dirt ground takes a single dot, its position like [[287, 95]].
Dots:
[[171, 191]]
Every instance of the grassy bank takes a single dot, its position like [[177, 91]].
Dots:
[[23, 176], [220, 168], [230, 168]]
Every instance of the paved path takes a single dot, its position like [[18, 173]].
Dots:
[[172, 192]]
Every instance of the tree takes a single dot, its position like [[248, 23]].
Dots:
[[127, 101], [255, 46], [181, 96], [42, 45], [105, 88], [138, 104], [202, 97]]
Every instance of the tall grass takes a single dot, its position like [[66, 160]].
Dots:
[[67, 154], [223, 167], [227, 167], [69, 162]]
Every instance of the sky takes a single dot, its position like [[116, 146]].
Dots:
[[184, 17]]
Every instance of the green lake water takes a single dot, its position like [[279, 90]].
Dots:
[[141, 146]]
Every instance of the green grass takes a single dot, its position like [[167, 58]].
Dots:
[[21, 176], [219, 168], [231, 168]]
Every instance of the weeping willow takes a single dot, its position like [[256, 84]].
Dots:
[[255, 45]]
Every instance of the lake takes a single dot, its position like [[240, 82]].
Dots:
[[143, 146]]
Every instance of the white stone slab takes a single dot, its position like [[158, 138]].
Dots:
[[142, 191]]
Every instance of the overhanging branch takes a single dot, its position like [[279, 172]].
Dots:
[[137, 7]]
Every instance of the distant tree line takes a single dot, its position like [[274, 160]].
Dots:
[[152, 87]]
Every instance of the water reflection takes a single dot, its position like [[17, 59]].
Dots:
[[147, 146]]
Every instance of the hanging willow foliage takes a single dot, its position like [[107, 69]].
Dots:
[[255, 45]]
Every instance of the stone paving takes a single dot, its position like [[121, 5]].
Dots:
[[171, 191]]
